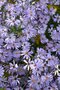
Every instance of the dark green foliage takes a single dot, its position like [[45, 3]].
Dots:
[[2, 89], [12, 1], [16, 30], [48, 35], [56, 7]]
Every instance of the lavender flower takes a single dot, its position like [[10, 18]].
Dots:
[[1, 71], [29, 44]]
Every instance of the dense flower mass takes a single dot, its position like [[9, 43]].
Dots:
[[30, 44]]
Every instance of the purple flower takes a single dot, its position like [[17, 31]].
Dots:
[[16, 54], [1, 71]]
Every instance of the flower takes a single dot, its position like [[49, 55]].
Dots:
[[57, 70], [28, 64], [30, 12], [1, 71], [29, 44], [16, 54]]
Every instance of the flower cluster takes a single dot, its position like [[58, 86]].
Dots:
[[30, 44]]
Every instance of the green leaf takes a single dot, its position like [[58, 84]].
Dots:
[[56, 7], [48, 35], [2, 89], [11, 1], [13, 29], [37, 42], [16, 30], [37, 39], [36, 0], [6, 74]]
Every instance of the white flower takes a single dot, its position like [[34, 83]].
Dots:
[[14, 65], [57, 71], [28, 65]]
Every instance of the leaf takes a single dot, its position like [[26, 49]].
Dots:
[[37, 39], [48, 35], [36, 0], [2, 89], [56, 7], [6, 74], [11, 1], [16, 30], [13, 29]]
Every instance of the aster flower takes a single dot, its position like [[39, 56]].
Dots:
[[40, 20], [57, 71], [6, 55], [33, 82], [16, 54], [28, 64], [29, 31], [30, 12], [26, 53], [13, 65], [1, 71], [55, 35], [13, 81]]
